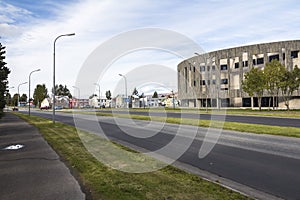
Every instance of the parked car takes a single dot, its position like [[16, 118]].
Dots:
[[15, 109], [44, 108], [58, 107]]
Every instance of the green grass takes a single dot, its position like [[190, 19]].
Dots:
[[107, 183], [235, 126]]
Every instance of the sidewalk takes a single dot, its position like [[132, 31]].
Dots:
[[34, 171]]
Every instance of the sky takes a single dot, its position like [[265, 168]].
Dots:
[[28, 29]]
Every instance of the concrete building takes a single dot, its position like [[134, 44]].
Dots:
[[214, 79]]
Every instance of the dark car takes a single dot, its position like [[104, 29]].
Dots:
[[15, 109]]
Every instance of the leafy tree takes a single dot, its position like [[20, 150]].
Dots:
[[135, 92], [93, 95], [15, 100], [155, 95], [254, 84], [8, 98], [4, 72], [108, 95], [290, 82], [61, 90], [40, 93], [273, 71], [23, 98]]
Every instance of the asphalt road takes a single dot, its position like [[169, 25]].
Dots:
[[266, 163], [273, 121]]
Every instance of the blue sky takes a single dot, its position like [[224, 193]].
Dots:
[[28, 28]]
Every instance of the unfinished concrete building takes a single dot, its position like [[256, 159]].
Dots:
[[214, 79]]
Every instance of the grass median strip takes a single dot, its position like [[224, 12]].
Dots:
[[235, 126], [107, 183]]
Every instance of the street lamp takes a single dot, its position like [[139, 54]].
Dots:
[[37, 70], [173, 99], [78, 94], [19, 92], [99, 94], [125, 87], [53, 103]]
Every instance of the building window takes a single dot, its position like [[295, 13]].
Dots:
[[254, 61], [274, 57], [194, 69], [202, 68], [208, 82], [294, 54], [202, 82], [208, 68], [224, 81], [260, 61], [224, 88], [223, 67], [245, 63], [214, 82], [236, 65], [213, 68]]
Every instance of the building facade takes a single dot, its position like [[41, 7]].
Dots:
[[214, 79]]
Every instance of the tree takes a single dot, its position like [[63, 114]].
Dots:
[[108, 95], [273, 71], [290, 82], [4, 72], [40, 93], [135, 92], [93, 95], [155, 95], [15, 100], [61, 90], [8, 99], [23, 98], [254, 84]]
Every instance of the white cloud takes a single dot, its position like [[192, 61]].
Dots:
[[213, 24]]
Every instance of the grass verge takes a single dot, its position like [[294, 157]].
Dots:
[[106, 183], [235, 126]]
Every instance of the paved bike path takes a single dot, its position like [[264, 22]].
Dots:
[[29, 167]]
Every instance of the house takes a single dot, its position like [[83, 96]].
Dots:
[[45, 104]]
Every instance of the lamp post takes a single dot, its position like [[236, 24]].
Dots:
[[78, 94], [37, 70], [173, 99], [19, 92], [53, 103], [125, 87], [99, 94]]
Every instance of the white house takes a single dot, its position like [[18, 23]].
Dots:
[[45, 104]]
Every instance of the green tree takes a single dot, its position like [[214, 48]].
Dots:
[[40, 93], [4, 72], [93, 95], [155, 95], [61, 90], [8, 99], [273, 71], [290, 82], [135, 92], [254, 84], [108, 95], [23, 98], [15, 100]]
